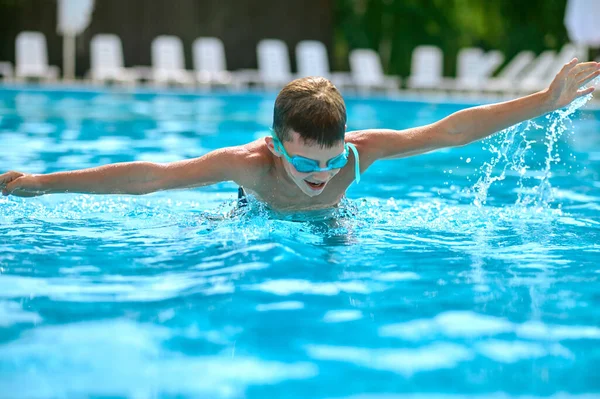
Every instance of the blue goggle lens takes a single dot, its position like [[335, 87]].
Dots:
[[304, 165], [340, 161]]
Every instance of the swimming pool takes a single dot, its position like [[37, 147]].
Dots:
[[472, 272]]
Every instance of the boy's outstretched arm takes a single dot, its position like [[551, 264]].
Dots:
[[133, 177], [475, 123]]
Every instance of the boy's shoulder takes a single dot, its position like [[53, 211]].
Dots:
[[365, 142], [256, 154], [254, 158]]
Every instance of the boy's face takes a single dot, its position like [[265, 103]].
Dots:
[[311, 184]]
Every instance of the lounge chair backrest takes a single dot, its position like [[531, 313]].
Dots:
[[539, 69], [469, 63], [491, 61], [566, 54], [106, 55], [517, 65], [31, 54], [427, 65], [311, 58], [273, 61], [167, 53], [209, 55], [365, 66]]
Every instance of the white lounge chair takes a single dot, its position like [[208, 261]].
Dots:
[[470, 60], [426, 71], [536, 75], [274, 69], [468, 70], [367, 72], [106, 60], [210, 66], [491, 61], [273, 63], [474, 68], [168, 62], [566, 54], [6, 71], [312, 60], [506, 79], [32, 57]]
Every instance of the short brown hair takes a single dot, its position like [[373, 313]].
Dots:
[[314, 108]]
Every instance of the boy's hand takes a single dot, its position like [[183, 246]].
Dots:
[[566, 85], [20, 184]]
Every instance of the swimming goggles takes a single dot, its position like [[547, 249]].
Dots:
[[307, 165]]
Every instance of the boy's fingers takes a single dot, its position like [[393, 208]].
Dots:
[[12, 186], [587, 64], [8, 177], [4, 177], [585, 91], [589, 78], [584, 70]]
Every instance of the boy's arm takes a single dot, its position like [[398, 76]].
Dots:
[[475, 123], [135, 177]]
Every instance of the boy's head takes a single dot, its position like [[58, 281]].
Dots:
[[309, 120], [312, 107]]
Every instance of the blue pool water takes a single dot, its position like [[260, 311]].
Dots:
[[472, 272]]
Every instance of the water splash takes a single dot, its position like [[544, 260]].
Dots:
[[512, 154], [501, 155], [543, 195]]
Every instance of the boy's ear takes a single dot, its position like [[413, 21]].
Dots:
[[271, 146]]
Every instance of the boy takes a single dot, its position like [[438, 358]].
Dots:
[[309, 161]]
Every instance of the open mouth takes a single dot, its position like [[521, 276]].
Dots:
[[315, 186]]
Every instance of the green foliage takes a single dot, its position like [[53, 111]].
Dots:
[[396, 27]]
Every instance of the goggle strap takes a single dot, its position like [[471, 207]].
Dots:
[[356, 163]]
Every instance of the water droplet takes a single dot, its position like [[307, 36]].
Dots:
[[468, 160]]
